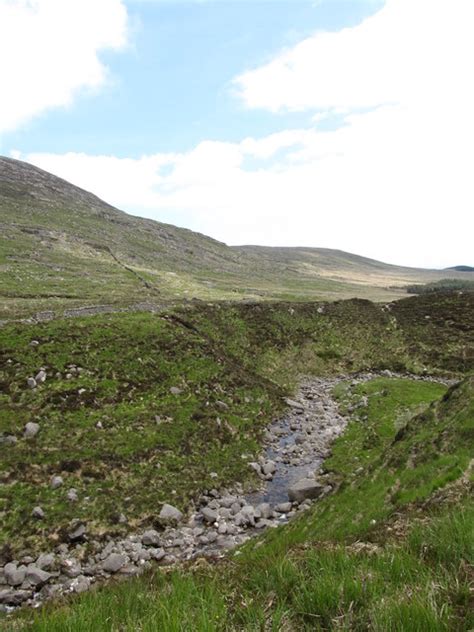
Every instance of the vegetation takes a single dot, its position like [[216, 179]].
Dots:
[[392, 549], [61, 247], [119, 435], [443, 285]]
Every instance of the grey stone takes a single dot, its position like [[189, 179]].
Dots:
[[209, 515], [41, 377], [157, 554], [31, 430], [37, 513], [294, 404], [170, 515], [8, 440], [77, 532], [36, 576], [80, 584], [174, 390], [14, 597], [265, 510], [305, 488], [114, 562], [31, 382], [56, 482], [269, 467], [72, 495], [283, 507], [15, 576], [151, 538], [45, 561]]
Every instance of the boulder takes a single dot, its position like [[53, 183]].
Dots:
[[31, 430], [209, 515], [77, 532], [31, 382], [45, 561], [114, 562], [37, 513], [56, 482], [36, 576], [269, 467], [15, 576], [265, 510], [151, 538], [170, 515], [14, 597], [305, 488]]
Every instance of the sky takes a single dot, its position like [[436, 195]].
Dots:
[[342, 124]]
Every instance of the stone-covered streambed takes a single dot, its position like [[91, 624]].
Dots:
[[294, 449]]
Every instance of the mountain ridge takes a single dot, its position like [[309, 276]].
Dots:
[[61, 243]]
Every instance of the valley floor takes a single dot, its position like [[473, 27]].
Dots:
[[138, 410]]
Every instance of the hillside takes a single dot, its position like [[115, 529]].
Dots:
[[138, 410], [62, 246]]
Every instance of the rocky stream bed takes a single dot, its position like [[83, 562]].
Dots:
[[294, 449]]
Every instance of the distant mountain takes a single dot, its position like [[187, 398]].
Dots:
[[62, 245], [462, 268]]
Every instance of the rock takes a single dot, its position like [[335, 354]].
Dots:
[[294, 404], [15, 576], [265, 510], [151, 538], [45, 561], [41, 377], [36, 576], [80, 584], [31, 382], [56, 482], [157, 554], [114, 562], [77, 532], [269, 467], [222, 405], [72, 495], [170, 515], [71, 567], [34, 343], [14, 597], [31, 430], [8, 440], [210, 515], [174, 390], [305, 488], [37, 513], [256, 467]]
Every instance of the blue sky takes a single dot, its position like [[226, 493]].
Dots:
[[171, 87], [330, 123]]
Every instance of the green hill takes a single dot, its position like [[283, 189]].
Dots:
[[62, 246]]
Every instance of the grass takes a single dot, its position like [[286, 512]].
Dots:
[[233, 365], [61, 247], [364, 558]]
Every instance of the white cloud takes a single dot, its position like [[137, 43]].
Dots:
[[49, 52], [394, 182]]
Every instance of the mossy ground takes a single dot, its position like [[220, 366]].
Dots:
[[385, 552], [399, 452], [233, 364]]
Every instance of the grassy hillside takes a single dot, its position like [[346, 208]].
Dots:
[[109, 419], [392, 549], [62, 246]]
